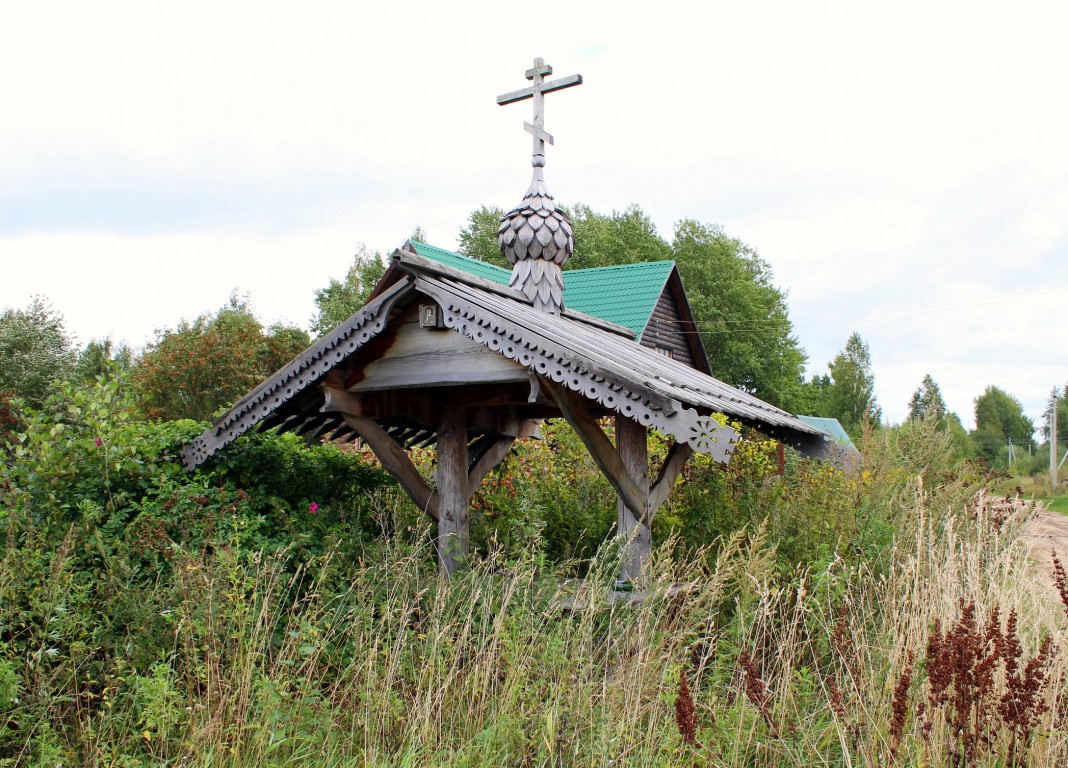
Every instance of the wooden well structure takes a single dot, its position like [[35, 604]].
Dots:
[[442, 356]]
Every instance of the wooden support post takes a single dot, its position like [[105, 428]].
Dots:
[[1053, 446], [456, 480], [454, 543], [633, 447]]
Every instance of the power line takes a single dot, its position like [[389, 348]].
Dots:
[[752, 325]]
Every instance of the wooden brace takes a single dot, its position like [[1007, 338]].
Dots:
[[396, 460]]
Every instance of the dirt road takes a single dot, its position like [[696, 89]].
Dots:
[[1048, 531]]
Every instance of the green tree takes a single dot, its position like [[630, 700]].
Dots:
[[1058, 399], [478, 239], [814, 395], [927, 401], [192, 371], [341, 298], [742, 315], [999, 418], [962, 442], [623, 237], [35, 350], [851, 396], [102, 358]]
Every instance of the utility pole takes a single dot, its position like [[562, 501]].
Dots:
[[1053, 448]]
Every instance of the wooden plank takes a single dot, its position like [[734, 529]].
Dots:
[[666, 329], [424, 357], [453, 537], [548, 87], [678, 455], [340, 401], [597, 443], [498, 289], [633, 447], [397, 463]]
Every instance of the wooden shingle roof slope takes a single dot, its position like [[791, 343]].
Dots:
[[647, 297], [581, 354]]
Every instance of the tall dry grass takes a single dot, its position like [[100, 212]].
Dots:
[[513, 665], [381, 662]]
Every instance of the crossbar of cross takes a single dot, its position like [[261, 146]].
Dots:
[[537, 92]]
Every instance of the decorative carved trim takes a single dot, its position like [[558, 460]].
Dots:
[[289, 382], [703, 433]]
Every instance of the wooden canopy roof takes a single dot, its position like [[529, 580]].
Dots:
[[495, 350]]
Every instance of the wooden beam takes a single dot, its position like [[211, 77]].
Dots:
[[488, 461], [389, 452], [340, 401], [633, 524], [454, 544], [676, 459], [598, 444], [397, 463]]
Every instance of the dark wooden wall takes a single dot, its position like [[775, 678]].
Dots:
[[667, 331]]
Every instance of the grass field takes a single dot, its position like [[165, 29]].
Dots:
[[1055, 503]]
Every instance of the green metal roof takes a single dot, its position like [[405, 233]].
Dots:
[[830, 427], [624, 295], [467, 264]]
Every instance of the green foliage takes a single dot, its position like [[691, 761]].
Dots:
[[547, 494], [745, 327], [106, 544], [151, 617], [9, 417], [744, 322], [35, 350], [962, 442], [850, 397], [999, 417], [927, 401], [622, 237], [192, 371], [341, 298], [102, 358], [478, 239], [1058, 399]]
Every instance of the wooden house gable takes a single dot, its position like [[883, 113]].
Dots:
[[672, 329]]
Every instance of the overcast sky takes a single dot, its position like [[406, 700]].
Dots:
[[902, 166]]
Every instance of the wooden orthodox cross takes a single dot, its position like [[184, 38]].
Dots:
[[537, 92]]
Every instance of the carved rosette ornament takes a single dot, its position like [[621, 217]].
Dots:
[[535, 236]]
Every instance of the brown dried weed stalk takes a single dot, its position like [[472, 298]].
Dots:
[[685, 715], [900, 706], [962, 666], [756, 690]]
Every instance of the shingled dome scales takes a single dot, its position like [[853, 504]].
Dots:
[[535, 236]]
